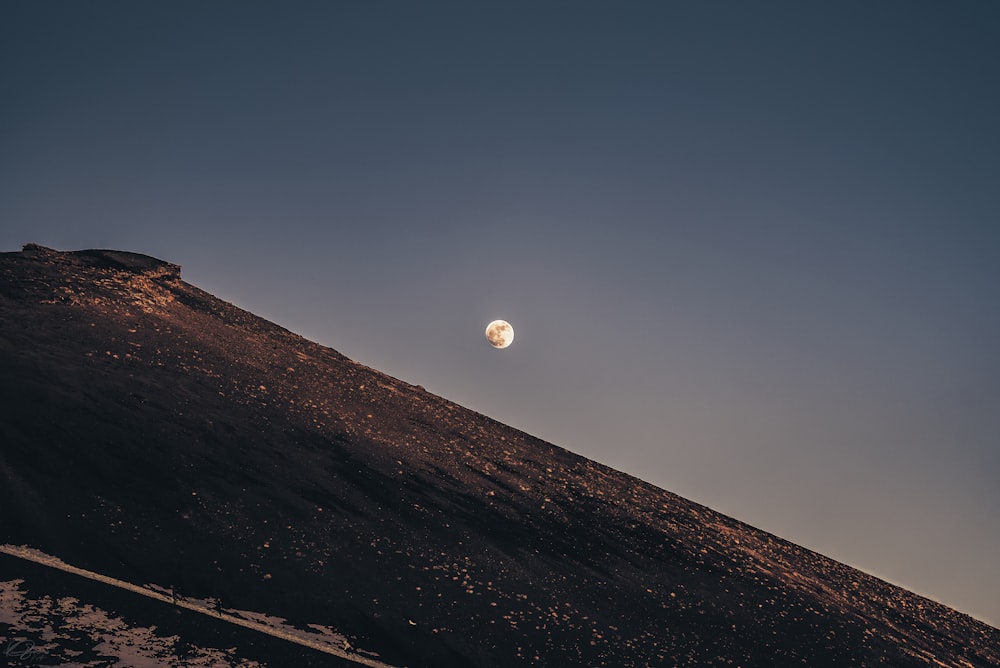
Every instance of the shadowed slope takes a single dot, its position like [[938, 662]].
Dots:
[[154, 433]]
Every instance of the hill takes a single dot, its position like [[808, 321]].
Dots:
[[156, 434]]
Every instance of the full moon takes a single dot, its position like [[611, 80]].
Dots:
[[499, 333]]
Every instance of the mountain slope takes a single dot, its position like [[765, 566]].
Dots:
[[154, 433]]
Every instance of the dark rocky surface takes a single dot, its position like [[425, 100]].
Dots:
[[154, 433]]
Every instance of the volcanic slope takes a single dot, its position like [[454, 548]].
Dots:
[[156, 434]]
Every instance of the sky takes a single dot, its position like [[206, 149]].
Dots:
[[751, 251]]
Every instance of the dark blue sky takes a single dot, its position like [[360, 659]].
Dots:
[[751, 250]]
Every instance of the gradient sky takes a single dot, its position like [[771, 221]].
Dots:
[[751, 251]]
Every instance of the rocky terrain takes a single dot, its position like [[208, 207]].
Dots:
[[156, 434]]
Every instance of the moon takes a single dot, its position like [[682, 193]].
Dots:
[[499, 333]]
